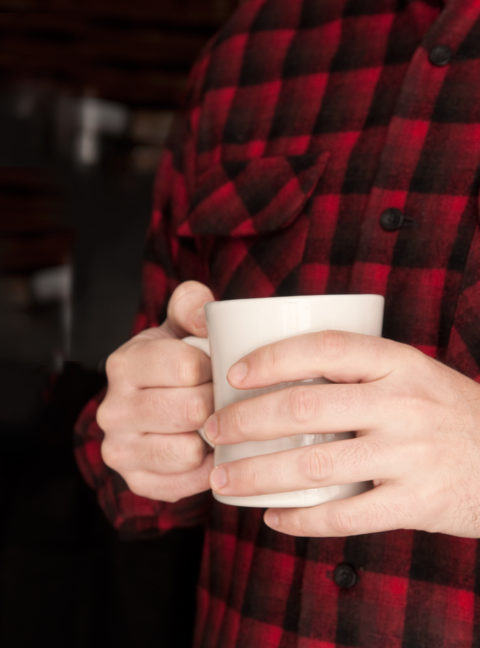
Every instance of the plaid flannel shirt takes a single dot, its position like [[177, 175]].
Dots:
[[329, 146]]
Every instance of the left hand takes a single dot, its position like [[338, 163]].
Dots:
[[418, 436]]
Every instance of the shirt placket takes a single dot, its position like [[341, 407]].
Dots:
[[389, 213]]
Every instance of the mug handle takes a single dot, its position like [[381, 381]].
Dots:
[[199, 343], [202, 344]]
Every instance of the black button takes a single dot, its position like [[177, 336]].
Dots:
[[392, 219], [345, 575], [440, 55]]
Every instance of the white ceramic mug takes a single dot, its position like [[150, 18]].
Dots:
[[237, 327]]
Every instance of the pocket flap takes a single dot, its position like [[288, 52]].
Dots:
[[248, 197]]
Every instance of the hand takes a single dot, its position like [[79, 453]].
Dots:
[[418, 436], [159, 393]]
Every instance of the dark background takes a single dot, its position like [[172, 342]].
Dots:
[[87, 93]]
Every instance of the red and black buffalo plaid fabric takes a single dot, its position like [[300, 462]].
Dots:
[[329, 146]]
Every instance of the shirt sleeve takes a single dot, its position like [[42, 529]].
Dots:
[[168, 261]]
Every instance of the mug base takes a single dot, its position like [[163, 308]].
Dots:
[[296, 499]]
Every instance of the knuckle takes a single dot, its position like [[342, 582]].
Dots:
[[113, 413], [177, 490], [420, 454], [342, 522], [332, 344], [273, 357], [359, 452], [469, 518], [112, 454], [348, 400], [317, 463], [155, 489], [417, 410], [102, 416], [197, 411], [106, 416], [192, 453], [298, 524], [163, 454], [302, 404], [138, 485], [415, 355], [250, 473], [115, 365], [170, 497], [188, 369], [235, 418], [160, 407], [177, 453]]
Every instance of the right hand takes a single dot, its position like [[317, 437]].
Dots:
[[159, 393]]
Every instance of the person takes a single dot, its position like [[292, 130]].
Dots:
[[327, 147]]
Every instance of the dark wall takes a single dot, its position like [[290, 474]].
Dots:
[[87, 93], [134, 52]]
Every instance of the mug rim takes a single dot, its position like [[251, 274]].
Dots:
[[294, 298]]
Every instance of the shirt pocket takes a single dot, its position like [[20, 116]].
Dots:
[[251, 197]]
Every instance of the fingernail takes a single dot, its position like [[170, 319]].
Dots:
[[271, 519], [211, 428], [218, 478], [238, 373], [199, 319]]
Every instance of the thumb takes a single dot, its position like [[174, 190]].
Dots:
[[185, 314]]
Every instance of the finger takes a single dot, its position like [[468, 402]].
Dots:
[[152, 360], [302, 409], [323, 464], [338, 356], [164, 411], [185, 313], [162, 454], [384, 508], [171, 488]]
